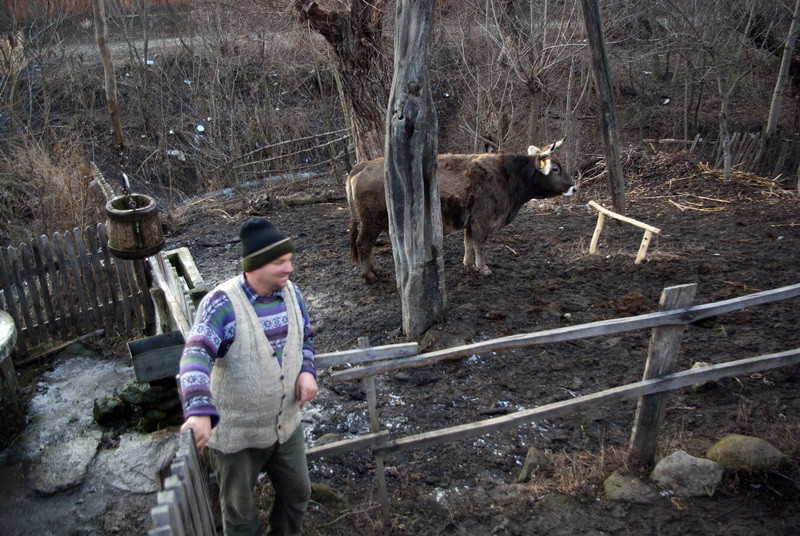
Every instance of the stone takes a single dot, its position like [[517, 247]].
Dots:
[[697, 387], [109, 409], [322, 494], [135, 465], [625, 487], [745, 453], [535, 460], [63, 465], [327, 439], [687, 476]]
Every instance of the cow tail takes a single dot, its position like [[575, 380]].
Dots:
[[353, 221]]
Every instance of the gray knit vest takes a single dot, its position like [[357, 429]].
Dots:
[[254, 395]]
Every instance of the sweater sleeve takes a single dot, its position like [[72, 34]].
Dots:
[[308, 338], [199, 353]]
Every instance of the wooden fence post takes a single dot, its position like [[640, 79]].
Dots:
[[661, 360], [374, 425]]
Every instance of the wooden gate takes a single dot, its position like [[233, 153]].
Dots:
[[60, 288]]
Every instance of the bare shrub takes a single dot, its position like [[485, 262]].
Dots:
[[45, 189]]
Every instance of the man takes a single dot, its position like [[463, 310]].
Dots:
[[246, 370]]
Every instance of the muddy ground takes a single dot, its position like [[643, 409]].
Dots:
[[731, 239]]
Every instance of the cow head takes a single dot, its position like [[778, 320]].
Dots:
[[543, 155], [544, 162]]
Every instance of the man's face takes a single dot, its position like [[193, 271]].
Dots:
[[272, 276]]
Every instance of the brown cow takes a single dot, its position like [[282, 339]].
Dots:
[[479, 193]]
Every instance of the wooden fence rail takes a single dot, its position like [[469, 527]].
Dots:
[[659, 377], [68, 286], [184, 505]]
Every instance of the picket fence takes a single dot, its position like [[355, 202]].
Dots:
[[65, 287]]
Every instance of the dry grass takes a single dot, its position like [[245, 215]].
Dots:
[[46, 189]]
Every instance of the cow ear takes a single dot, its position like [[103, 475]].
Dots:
[[533, 150], [544, 165]]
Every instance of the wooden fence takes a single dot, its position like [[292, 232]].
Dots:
[[64, 287], [750, 153], [184, 505], [659, 378]]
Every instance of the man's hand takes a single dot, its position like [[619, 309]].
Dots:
[[201, 424], [305, 388]]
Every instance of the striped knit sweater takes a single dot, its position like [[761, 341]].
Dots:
[[212, 335]]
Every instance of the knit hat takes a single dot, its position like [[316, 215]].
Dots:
[[262, 243]]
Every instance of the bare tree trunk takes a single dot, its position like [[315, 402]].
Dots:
[[725, 135], [783, 74], [412, 189], [356, 40], [605, 87], [101, 35]]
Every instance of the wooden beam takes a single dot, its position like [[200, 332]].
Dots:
[[662, 358], [626, 219], [365, 355], [347, 445], [569, 333], [595, 400]]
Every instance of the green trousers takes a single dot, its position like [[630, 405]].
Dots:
[[237, 474]]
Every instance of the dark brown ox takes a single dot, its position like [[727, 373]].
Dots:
[[479, 193]]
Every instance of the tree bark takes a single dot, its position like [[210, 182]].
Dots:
[[412, 189], [356, 39], [783, 74], [101, 36], [605, 87]]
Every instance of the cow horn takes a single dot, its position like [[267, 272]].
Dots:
[[550, 148]]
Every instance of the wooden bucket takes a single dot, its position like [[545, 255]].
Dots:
[[134, 229]]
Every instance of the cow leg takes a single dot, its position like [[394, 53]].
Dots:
[[478, 241], [468, 249], [364, 243]]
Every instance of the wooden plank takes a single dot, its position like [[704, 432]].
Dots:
[[114, 286], [124, 293], [640, 255], [133, 288], [148, 307], [347, 445], [89, 279], [70, 298], [85, 325], [101, 277], [662, 359], [375, 427], [31, 286], [593, 401], [620, 217], [27, 330], [55, 283], [365, 355], [53, 322], [598, 228], [200, 481], [9, 295], [158, 269], [569, 333], [167, 513], [174, 484], [182, 484]]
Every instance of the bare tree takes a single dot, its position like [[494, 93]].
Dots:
[[783, 74], [722, 34], [356, 37], [412, 190], [603, 79]]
